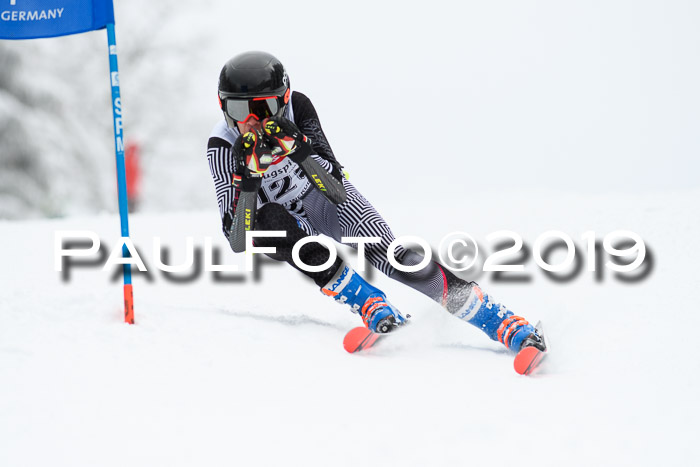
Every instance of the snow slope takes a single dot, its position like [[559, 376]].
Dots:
[[253, 372]]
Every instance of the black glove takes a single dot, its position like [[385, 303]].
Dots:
[[253, 155], [285, 139]]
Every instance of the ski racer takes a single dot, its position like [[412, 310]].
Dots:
[[270, 150]]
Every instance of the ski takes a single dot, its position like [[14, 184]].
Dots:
[[530, 357], [527, 360], [360, 338], [525, 363]]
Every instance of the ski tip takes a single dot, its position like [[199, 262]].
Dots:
[[527, 360], [359, 338]]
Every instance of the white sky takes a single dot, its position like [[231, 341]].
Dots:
[[471, 97]]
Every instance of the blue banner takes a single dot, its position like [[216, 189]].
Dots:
[[32, 19]]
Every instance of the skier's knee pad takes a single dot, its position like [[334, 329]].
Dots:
[[322, 214], [273, 216]]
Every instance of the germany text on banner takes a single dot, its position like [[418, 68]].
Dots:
[[31, 19]]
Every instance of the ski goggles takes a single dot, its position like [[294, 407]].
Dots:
[[259, 108]]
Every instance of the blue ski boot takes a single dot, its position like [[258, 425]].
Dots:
[[498, 322], [377, 313]]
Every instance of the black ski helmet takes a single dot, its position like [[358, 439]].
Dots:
[[253, 74]]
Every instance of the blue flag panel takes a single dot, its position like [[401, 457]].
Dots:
[[32, 19]]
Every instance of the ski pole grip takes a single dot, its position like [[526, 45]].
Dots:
[[327, 184], [244, 217]]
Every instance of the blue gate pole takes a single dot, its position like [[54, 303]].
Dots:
[[121, 171]]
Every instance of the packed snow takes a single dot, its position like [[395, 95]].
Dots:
[[252, 372]]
